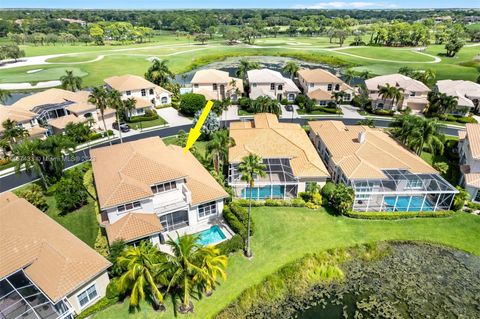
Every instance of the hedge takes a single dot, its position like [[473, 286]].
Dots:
[[398, 215], [294, 202], [242, 215], [143, 118], [98, 306], [233, 222], [231, 245], [96, 136]]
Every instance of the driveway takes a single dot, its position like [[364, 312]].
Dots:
[[289, 114], [231, 114], [172, 116], [351, 112]]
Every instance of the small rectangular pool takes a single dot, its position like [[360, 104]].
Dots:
[[265, 192], [211, 236], [407, 204]]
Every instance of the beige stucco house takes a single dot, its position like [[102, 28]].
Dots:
[[320, 85], [44, 264], [467, 93], [469, 151], [265, 82], [216, 85], [22, 118]]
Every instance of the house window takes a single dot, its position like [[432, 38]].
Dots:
[[164, 187], [329, 87], [215, 87], [337, 87], [207, 209], [195, 86], [129, 206], [87, 296], [312, 85], [254, 85], [280, 87], [128, 93], [150, 91], [291, 97], [272, 86], [347, 97], [144, 93], [164, 100], [323, 103], [412, 93], [477, 196]]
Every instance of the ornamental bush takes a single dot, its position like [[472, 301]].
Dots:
[[191, 103], [342, 198], [327, 191], [70, 193], [34, 195], [231, 245], [211, 124], [233, 222], [397, 215], [242, 215]]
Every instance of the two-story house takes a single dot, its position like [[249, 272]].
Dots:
[[216, 85], [320, 86], [146, 94], [414, 93], [148, 190], [265, 82], [469, 152], [22, 118], [45, 271], [466, 92]]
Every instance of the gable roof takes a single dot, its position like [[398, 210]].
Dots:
[[366, 160], [473, 136], [53, 258], [318, 76], [320, 95], [133, 226], [50, 96], [61, 122], [128, 82], [463, 90], [265, 76], [397, 79], [268, 138], [125, 172], [210, 76], [15, 114]]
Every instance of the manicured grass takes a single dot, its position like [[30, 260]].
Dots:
[[201, 146], [392, 54], [146, 124], [72, 58], [19, 75], [285, 234]]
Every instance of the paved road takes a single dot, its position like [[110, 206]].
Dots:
[[11, 181]]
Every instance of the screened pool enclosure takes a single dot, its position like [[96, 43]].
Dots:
[[279, 181], [403, 191]]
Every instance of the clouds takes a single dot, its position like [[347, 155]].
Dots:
[[346, 5]]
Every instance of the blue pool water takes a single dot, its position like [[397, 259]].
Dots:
[[211, 236], [402, 204], [275, 191]]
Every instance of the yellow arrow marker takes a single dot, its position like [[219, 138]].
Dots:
[[194, 133]]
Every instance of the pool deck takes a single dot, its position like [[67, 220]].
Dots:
[[196, 229]]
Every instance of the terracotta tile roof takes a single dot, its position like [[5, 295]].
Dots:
[[126, 172], [318, 76], [472, 179], [129, 82], [265, 76], [208, 94], [50, 96], [141, 103], [15, 114], [465, 91], [473, 136], [400, 80], [133, 226], [159, 90], [61, 122], [366, 160], [461, 134], [268, 138], [81, 107], [36, 131], [210, 76], [54, 259], [320, 95]]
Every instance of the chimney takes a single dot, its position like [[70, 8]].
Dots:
[[361, 137]]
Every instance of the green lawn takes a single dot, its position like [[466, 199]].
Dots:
[[19, 75], [392, 54], [285, 234], [201, 146], [146, 124]]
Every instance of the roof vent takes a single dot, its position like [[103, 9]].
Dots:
[[361, 137]]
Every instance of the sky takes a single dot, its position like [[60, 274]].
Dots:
[[185, 4]]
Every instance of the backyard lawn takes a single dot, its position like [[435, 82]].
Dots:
[[285, 234]]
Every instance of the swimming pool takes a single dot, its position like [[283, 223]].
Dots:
[[403, 201], [265, 192], [211, 236]]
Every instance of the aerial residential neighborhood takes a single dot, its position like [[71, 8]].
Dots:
[[250, 160]]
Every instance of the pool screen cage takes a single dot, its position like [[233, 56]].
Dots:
[[279, 181], [20, 298], [403, 191]]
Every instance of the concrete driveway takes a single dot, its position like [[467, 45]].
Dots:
[[172, 116], [289, 114], [351, 112]]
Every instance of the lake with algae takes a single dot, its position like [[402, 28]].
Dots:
[[412, 281]]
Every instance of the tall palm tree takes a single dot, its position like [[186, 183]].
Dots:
[[159, 73], [4, 96], [57, 147], [244, 67], [338, 96], [428, 76], [129, 104], [403, 126], [99, 98], [114, 101], [427, 136], [218, 148], [250, 167], [365, 75], [264, 104], [213, 266], [141, 264], [391, 92], [349, 75], [13, 133], [291, 68], [29, 154], [71, 82]]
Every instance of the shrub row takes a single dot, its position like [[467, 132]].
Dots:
[[332, 110], [242, 215], [98, 306], [96, 136], [397, 215], [383, 112], [232, 220], [455, 118], [295, 202], [136, 119], [231, 245]]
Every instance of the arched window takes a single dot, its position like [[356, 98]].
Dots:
[[164, 100], [337, 87]]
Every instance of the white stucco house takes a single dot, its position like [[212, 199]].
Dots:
[[466, 92], [469, 152], [265, 82], [216, 85], [320, 85]]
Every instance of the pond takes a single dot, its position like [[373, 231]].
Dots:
[[414, 281]]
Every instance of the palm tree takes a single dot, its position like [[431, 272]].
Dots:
[[349, 75], [159, 73], [12, 133], [218, 148], [141, 264], [29, 154], [264, 104], [426, 136], [338, 96], [391, 92], [365, 75], [428, 76], [291, 68], [114, 101], [189, 268], [99, 98], [71, 82], [250, 167], [244, 67], [129, 104], [4, 96], [56, 147]]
